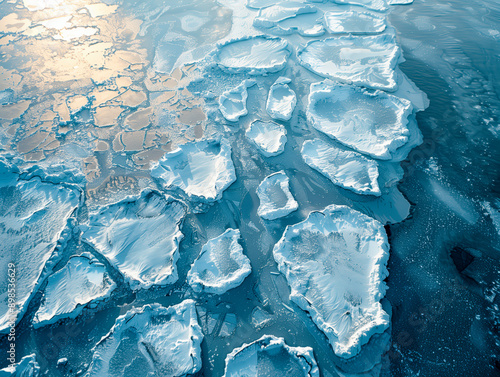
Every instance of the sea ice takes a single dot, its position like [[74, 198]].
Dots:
[[257, 55], [281, 100], [354, 22], [269, 137], [271, 356], [363, 60], [348, 169], [233, 103], [378, 5], [221, 265], [26, 367], [81, 281], [139, 236], [373, 123], [202, 170], [150, 341], [275, 197], [335, 263]]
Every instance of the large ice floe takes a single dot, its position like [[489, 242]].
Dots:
[[201, 170], [233, 103], [363, 60], [26, 367], [256, 55], [33, 217], [373, 123], [275, 197], [354, 22], [348, 169], [150, 341], [335, 263], [139, 236], [271, 356], [281, 100], [221, 265], [81, 281], [269, 137]]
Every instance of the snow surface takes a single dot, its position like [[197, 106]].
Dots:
[[363, 60], [335, 263], [275, 197], [26, 367], [373, 123], [139, 236], [150, 341], [256, 55], [233, 103], [281, 100], [81, 281], [221, 265], [271, 356], [269, 137], [348, 169], [202, 169], [354, 22]]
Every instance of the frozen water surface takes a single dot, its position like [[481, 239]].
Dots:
[[281, 100], [354, 22], [275, 197], [269, 137], [233, 103]]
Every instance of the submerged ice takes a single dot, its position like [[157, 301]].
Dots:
[[275, 197]]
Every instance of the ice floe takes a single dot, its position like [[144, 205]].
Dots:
[[256, 55], [81, 281], [362, 60], [201, 170], [348, 169], [139, 236], [275, 197], [33, 217], [269, 356], [281, 100], [378, 5], [354, 22], [233, 103], [269, 137], [26, 367], [373, 123], [150, 341], [221, 265], [335, 263]]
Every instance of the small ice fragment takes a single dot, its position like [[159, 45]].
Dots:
[[281, 100], [269, 137], [233, 103], [275, 197], [62, 361]]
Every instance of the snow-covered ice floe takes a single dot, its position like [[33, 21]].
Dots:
[[257, 55], [150, 341], [221, 265], [269, 137], [281, 100], [202, 170], [33, 217], [363, 60], [26, 367], [275, 197], [335, 263], [81, 281], [233, 103], [373, 123], [139, 236], [354, 22], [271, 356], [348, 169]]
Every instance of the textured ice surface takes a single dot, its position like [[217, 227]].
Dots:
[[373, 123], [281, 100], [255, 55], [81, 281], [269, 137], [347, 169], [26, 367], [354, 22], [150, 341], [335, 263], [139, 236], [379, 5], [275, 197], [33, 215], [363, 60], [221, 265], [202, 170], [233, 103], [271, 356]]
